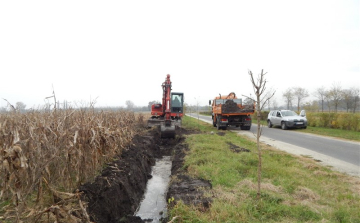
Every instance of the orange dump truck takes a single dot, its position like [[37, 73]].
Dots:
[[228, 110]]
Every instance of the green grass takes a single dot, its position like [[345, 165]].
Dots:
[[337, 133], [294, 189]]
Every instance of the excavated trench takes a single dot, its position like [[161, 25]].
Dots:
[[134, 188], [154, 206]]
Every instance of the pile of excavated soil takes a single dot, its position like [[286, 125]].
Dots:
[[185, 188], [116, 193], [231, 107]]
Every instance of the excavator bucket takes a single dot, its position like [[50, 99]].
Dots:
[[158, 121], [177, 122], [167, 130], [154, 122]]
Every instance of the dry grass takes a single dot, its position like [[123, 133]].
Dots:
[[45, 156]]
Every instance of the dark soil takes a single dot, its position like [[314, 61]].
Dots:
[[184, 187], [115, 194], [236, 148], [231, 107]]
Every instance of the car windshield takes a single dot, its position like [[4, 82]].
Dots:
[[289, 113]]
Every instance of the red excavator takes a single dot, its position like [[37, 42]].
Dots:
[[168, 114]]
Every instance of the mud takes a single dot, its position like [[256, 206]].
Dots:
[[236, 149], [185, 188], [116, 193], [231, 107]]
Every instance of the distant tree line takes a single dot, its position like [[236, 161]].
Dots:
[[327, 99], [331, 99]]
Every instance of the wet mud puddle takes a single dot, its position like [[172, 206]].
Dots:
[[154, 206]]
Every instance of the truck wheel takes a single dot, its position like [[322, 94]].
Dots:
[[224, 128], [283, 126], [269, 124], [214, 122], [218, 118]]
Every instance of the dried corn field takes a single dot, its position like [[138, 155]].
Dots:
[[45, 156]]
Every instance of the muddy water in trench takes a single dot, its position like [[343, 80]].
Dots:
[[153, 206]]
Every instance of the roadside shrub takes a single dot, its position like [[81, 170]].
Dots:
[[348, 121], [264, 115], [312, 119], [355, 122], [326, 120], [344, 121]]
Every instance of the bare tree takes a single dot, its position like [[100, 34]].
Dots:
[[130, 105], [347, 97], [20, 106], [320, 94], [289, 97], [350, 97], [151, 103], [259, 87], [356, 96], [300, 93], [269, 101], [327, 99], [274, 104], [335, 94], [311, 106]]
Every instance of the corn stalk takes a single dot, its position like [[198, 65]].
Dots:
[[44, 154]]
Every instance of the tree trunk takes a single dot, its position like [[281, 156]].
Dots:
[[258, 146]]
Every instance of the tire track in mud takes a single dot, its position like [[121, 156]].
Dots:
[[116, 193]]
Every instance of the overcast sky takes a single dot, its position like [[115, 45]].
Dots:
[[114, 51]]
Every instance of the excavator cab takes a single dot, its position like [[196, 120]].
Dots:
[[177, 104]]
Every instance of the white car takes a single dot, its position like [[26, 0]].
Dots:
[[287, 119]]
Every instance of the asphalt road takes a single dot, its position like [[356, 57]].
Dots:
[[346, 152]]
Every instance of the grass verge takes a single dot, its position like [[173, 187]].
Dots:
[[294, 189], [337, 133]]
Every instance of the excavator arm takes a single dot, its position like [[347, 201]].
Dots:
[[167, 127], [165, 115]]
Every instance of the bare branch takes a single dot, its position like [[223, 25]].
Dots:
[[10, 104], [267, 99], [248, 97]]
